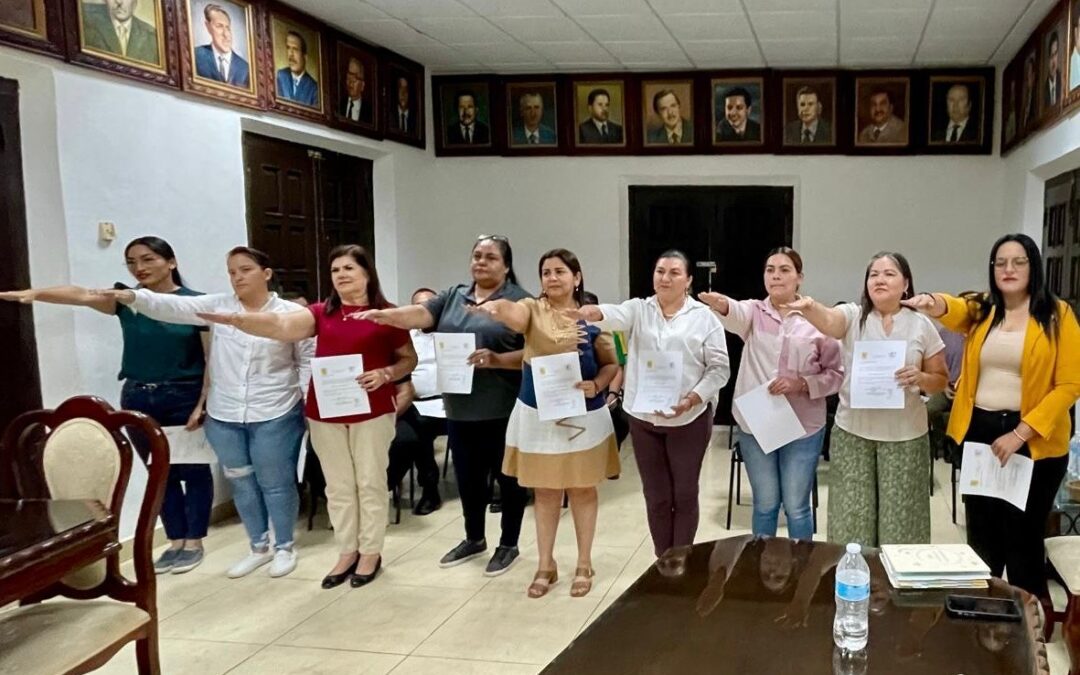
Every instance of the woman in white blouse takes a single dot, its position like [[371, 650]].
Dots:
[[879, 458], [255, 417], [669, 444]]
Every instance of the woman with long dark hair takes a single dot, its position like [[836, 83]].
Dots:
[[163, 367], [568, 455], [476, 422], [354, 450], [1019, 380], [879, 459]]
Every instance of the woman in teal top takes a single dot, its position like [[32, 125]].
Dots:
[[163, 369]]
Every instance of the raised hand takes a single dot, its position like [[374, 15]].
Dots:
[[588, 313], [801, 303], [379, 316], [25, 297], [717, 302], [925, 303], [224, 318], [124, 296]]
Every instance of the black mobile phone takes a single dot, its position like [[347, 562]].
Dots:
[[980, 607]]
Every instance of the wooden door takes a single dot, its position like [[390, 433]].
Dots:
[[347, 210]]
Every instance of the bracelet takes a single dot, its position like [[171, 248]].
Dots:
[[1017, 434]]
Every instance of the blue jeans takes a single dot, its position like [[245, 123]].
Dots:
[[189, 490], [785, 475], [259, 459]]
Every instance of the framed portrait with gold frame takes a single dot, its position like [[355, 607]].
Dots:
[[32, 24], [220, 55], [133, 38], [296, 64]]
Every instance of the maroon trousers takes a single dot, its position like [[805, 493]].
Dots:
[[669, 461]]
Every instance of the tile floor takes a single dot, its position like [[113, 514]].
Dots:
[[418, 618]]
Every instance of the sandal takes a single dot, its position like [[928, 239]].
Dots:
[[542, 583], [582, 583]]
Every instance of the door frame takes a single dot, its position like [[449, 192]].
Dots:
[[625, 182]]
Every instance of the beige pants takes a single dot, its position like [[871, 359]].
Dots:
[[354, 458]]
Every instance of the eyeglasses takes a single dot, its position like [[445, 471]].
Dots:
[[1017, 263], [493, 237]]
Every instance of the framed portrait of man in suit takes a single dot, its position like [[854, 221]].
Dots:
[[882, 109], [532, 115], [129, 33], [32, 24], [403, 105], [356, 101], [1072, 59], [738, 111], [219, 57], [600, 114], [957, 110], [809, 113], [667, 108], [1052, 79], [297, 65], [1010, 105], [1029, 87], [463, 119]]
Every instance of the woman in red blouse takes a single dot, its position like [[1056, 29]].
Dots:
[[354, 449]]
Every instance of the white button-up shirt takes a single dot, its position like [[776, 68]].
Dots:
[[694, 332], [252, 379], [423, 375]]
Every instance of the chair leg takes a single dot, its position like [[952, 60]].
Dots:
[[446, 462], [814, 502], [313, 504], [146, 651], [730, 487], [396, 493], [412, 486], [1071, 633], [931, 472], [738, 476], [954, 481]]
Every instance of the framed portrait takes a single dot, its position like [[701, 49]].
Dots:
[[1072, 61], [296, 59], [599, 114], [1052, 80], [32, 24], [809, 112], [1010, 105], [667, 108], [135, 38], [957, 110], [356, 99], [738, 111], [532, 115], [463, 118], [882, 111], [1029, 87], [220, 59], [403, 102]]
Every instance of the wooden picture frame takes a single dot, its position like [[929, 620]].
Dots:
[[356, 104], [1053, 44], [532, 109], [220, 50], [810, 112], [739, 112], [403, 83], [606, 96], [465, 111], [1072, 58], [149, 54], [668, 109], [956, 113], [295, 44], [1028, 74], [1011, 131], [882, 110], [36, 25]]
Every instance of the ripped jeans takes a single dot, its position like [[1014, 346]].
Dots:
[[259, 459]]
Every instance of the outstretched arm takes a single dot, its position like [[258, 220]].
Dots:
[[828, 320], [63, 295], [284, 326], [411, 316], [513, 315]]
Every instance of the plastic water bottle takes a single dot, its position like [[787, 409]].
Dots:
[[852, 623]]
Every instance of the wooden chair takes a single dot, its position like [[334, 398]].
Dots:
[[1064, 556], [80, 451]]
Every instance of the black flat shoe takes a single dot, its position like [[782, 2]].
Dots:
[[358, 580], [429, 503], [333, 580]]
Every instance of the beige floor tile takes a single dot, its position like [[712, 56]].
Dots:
[[379, 618], [425, 665], [256, 609], [184, 657], [607, 561], [502, 626], [177, 592], [281, 660], [420, 567]]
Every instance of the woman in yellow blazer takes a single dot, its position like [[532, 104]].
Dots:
[[1020, 379]]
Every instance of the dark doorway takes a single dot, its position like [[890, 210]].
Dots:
[[726, 231], [302, 202], [22, 381]]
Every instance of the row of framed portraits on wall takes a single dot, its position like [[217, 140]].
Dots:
[[1042, 82], [254, 53], [758, 111]]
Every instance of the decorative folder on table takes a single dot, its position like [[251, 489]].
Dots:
[[934, 566]]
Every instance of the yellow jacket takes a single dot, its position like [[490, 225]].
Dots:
[[1049, 374]]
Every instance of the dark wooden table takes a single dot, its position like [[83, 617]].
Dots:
[[42, 540], [744, 605]]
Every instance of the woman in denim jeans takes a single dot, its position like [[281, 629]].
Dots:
[[255, 417], [162, 368], [798, 362]]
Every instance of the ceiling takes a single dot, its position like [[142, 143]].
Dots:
[[521, 36]]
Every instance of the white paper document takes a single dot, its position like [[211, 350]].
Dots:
[[771, 419], [659, 380], [188, 447], [453, 374], [336, 388], [873, 374], [554, 378], [982, 474], [431, 408]]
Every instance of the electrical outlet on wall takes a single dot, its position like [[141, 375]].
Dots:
[[106, 231]]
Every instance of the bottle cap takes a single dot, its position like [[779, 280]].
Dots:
[[854, 548]]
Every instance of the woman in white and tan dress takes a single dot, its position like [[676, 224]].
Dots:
[[572, 455]]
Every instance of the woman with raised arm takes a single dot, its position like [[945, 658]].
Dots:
[[670, 444], [163, 368], [476, 422], [254, 417], [797, 361], [879, 459], [570, 455], [1019, 381], [354, 449]]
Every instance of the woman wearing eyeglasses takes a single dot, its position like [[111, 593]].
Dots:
[[1019, 380], [476, 422]]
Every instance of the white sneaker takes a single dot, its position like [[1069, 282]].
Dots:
[[284, 562], [252, 562]]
